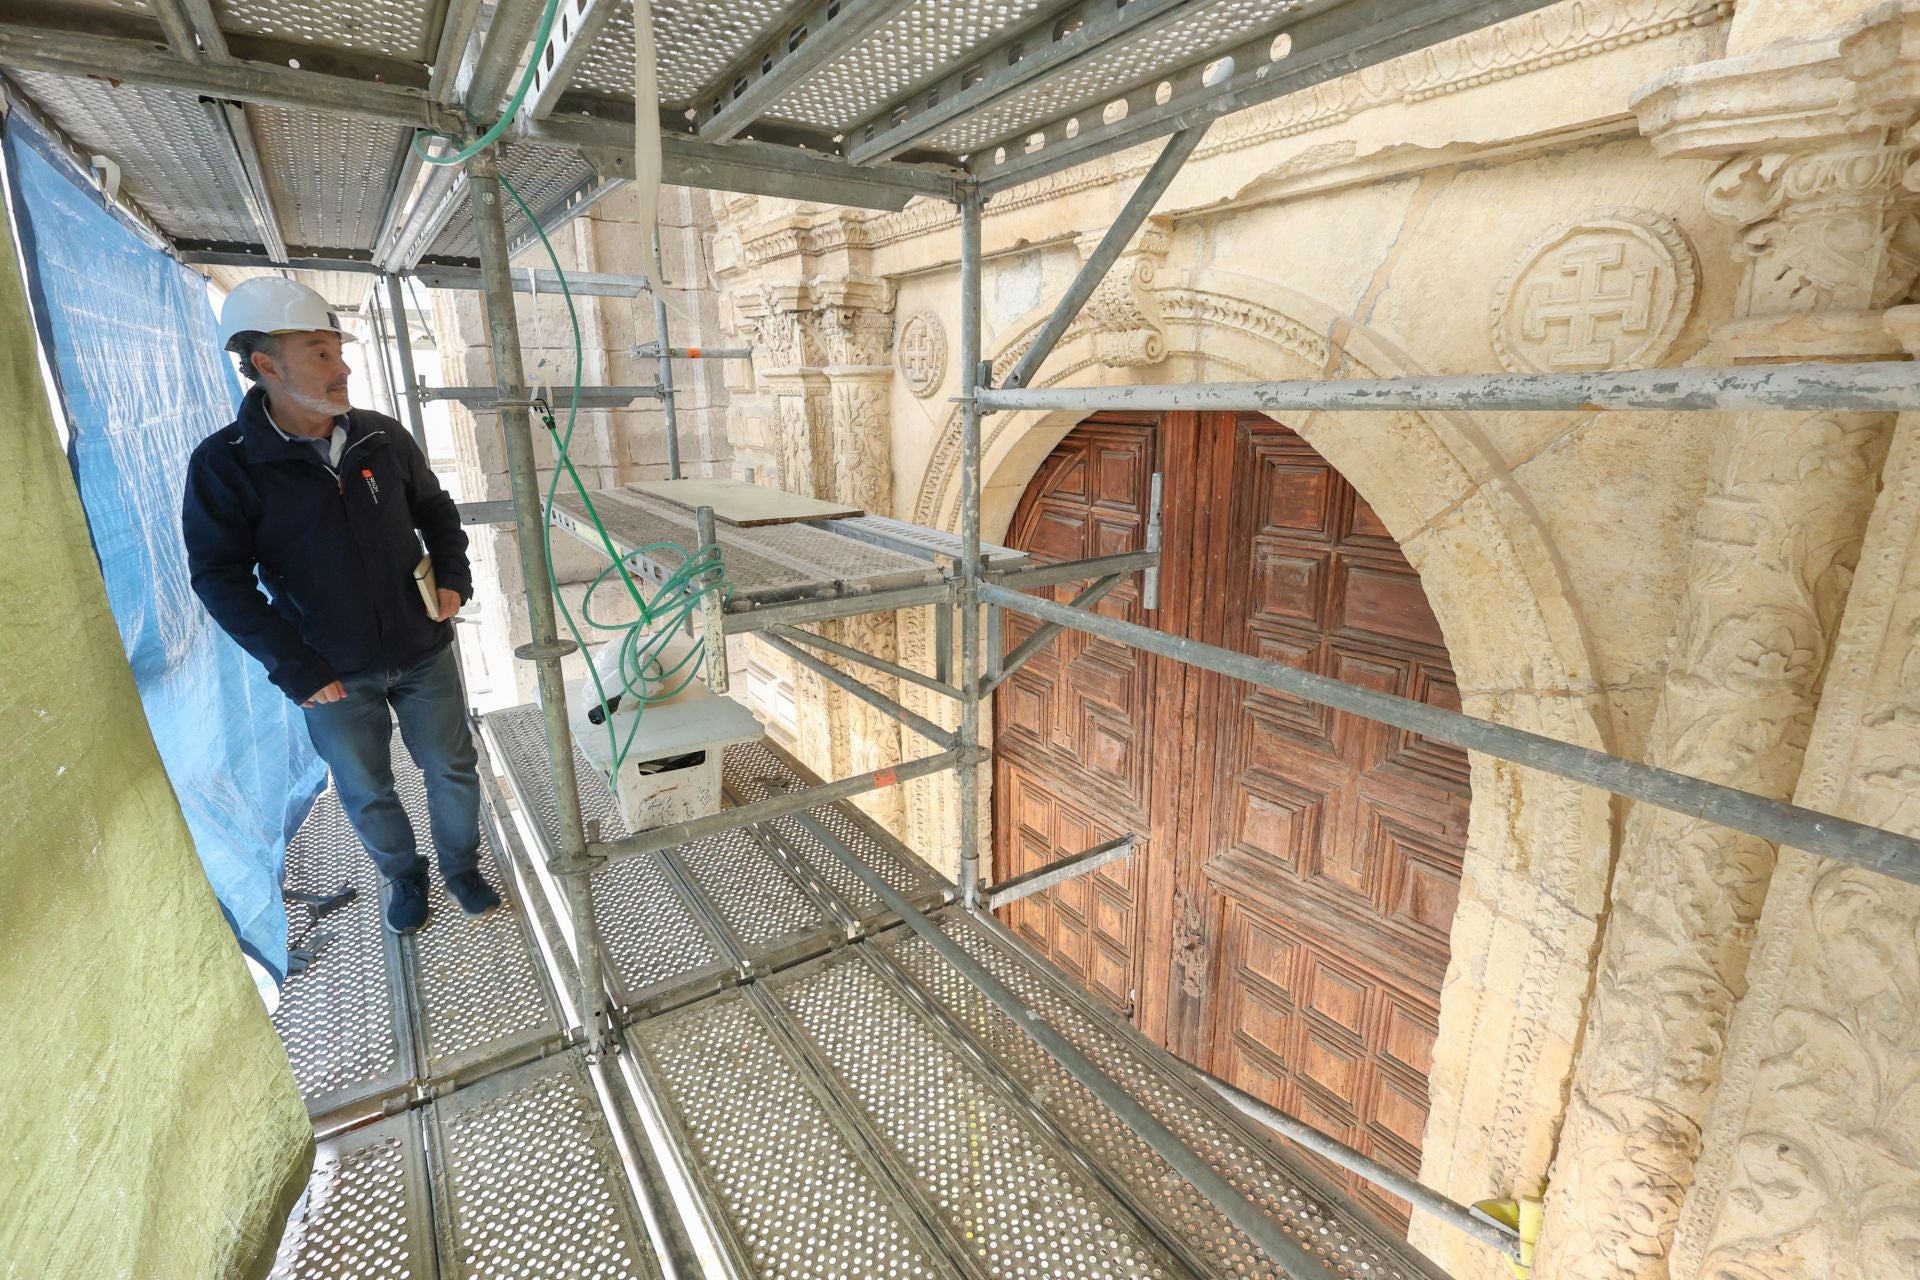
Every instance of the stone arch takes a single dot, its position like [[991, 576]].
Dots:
[[1539, 848]]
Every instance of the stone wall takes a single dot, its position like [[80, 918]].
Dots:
[[1482, 206], [1702, 1052], [608, 447]]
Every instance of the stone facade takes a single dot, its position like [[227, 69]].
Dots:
[[1812, 175], [1702, 1052], [609, 447]]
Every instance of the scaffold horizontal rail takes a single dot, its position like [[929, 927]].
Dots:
[[589, 397], [1871, 848], [1887, 385], [828, 607], [1280, 1246], [853, 686], [606, 853], [1047, 575], [1044, 878], [865, 659]]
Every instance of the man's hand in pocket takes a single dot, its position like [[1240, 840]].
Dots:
[[329, 693]]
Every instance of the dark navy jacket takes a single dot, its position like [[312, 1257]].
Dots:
[[335, 548]]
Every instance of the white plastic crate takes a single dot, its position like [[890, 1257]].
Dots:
[[656, 784]]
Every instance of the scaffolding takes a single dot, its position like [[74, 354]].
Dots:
[[825, 101]]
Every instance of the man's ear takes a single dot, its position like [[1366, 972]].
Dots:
[[262, 362]]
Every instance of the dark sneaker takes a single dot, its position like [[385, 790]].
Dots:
[[406, 904], [475, 896]]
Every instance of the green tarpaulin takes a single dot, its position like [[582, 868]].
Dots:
[[149, 1125]]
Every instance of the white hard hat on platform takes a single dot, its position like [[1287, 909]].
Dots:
[[275, 304]]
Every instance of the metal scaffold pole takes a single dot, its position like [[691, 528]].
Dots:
[[667, 406], [546, 649], [377, 355], [403, 347], [969, 594]]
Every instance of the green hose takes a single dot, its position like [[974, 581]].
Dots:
[[499, 126], [644, 677]]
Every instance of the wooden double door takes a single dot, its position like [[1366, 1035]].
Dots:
[[1285, 925]]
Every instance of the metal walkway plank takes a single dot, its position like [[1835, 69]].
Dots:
[[365, 1213], [478, 990], [338, 1019], [1003, 1192], [656, 943], [521, 1179], [788, 1194], [374, 1015], [1324, 1220], [765, 914], [528, 1181], [766, 563], [754, 771]]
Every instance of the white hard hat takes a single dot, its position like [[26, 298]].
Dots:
[[275, 304]]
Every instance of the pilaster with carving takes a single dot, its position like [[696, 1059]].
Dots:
[[1815, 183], [1123, 315], [858, 342], [822, 332], [1811, 1158]]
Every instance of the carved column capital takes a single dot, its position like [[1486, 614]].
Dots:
[[1830, 232], [1123, 315], [856, 337], [783, 336], [843, 322], [1815, 143]]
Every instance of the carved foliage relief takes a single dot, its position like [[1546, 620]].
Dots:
[[1817, 1136], [1773, 554], [1775, 544]]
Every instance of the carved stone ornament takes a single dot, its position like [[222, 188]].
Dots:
[[1608, 290], [922, 353], [1123, 315]]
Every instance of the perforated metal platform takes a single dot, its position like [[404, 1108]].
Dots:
[[869, 102], [513, 1177], [466, 1140], [835, 1099], [375, 1015], [848, 1105], [765, 564], [691, 919]]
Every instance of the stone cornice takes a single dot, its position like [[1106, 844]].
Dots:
[[805, 235], [1548, 37], [859, 294], [1792, 97], [1770, 100], [1565, 32]]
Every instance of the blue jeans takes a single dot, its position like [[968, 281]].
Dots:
[[355, 737]]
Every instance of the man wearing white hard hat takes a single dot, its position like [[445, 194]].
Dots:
[[329, 507]]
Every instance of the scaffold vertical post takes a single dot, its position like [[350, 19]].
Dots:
[[969, 594], [667, 406], [403, 348], [376, 350], [546, 650], [712, 604]]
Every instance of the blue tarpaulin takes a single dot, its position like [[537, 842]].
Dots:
[[130, 336]]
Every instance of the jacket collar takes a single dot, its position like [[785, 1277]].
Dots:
[[264, 443]]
